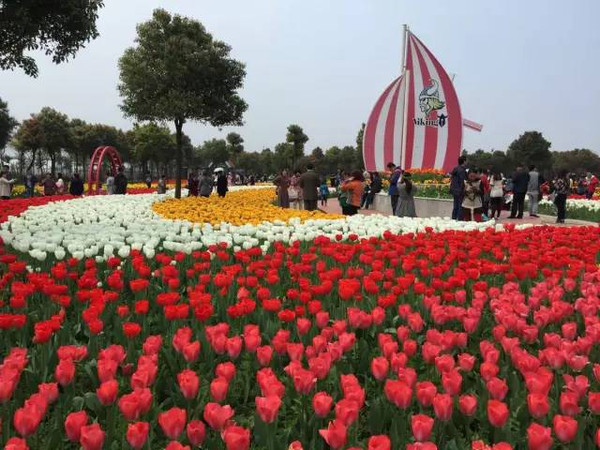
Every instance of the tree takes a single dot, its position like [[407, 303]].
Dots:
[[29, 138], [235, 145], [296, 137], [7, 125], [359, 147], [284, 157], [250, 162], [57, 27], [179, 73], [214, 152], [266, 161], [531, 148], [152, 142], [85, 138], [577, 160], [56, 133]]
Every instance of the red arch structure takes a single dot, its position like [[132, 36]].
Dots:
[[95, 169]]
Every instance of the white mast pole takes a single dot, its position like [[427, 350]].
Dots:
[[404, 35], [405, 80]]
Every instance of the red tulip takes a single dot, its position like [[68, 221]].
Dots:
[[539, 437], [398, 392], [380, 442], [189, 383], [65, 372], [216, 416], [107, 369], [196, 432], [296, 445], [346, 411], [597, 437], [421, 426], [421, 446], [335, 435], [137, 434], [264, 355], [538, 405], [172, 422], [49, 391], [107, 392], [565, 428], [26, 421], [497, 388], [226, 370], [304, 381], [92, 437], [73, 424], [236, 438], [16, 443], [425, 391], [218, 389], [380, 367], [268, 408], [175, 445], [442, 406], [594, 402], [497, 413], [569, 403], [234, 346], [452, 382], [467, 404], [466, 362], [322, 404], [191, 351]]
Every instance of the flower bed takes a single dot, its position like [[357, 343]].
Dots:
[[578, 209], [240, 207], [368, 339]]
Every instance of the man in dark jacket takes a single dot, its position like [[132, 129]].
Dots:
[[520, 181], [76, 187], [222, 184], [121, 182], [310, 182], [458, 176], [394, 180]]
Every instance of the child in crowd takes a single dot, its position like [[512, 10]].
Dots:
[[323, 193]]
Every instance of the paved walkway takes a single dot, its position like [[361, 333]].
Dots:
[[333, 207]]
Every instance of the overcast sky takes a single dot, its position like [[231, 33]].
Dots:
[[519, 64]]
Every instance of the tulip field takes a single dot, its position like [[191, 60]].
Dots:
[[144, 322]]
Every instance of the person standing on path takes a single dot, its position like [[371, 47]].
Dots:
[[5, 185], [406, 197], [206, 184], [49, 185], [458, 176], [121, 182], [353, 188], [533, 190], [283, 185], [472, 203], [60, 185], [161, 187], [110, 184], [222, 184], [76, 186], [561, 190], [591, 187], [394, 180], [496, 195], [520, 181], [30, 182], [309, 182]]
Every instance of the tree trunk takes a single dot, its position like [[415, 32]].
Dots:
[[32, 163], [178, 156]]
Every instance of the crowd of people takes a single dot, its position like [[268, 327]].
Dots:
[[482, 194]]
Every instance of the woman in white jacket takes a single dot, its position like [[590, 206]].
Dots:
[[5, 186]]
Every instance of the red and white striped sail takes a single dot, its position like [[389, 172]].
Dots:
[[417, 122]]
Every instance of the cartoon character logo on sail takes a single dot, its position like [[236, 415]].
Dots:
[[429, 98]]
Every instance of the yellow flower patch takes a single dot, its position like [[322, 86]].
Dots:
[[251, 206]]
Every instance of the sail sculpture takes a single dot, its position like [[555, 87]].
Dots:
[[416, 122]]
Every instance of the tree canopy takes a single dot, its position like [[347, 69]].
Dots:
[[7, 124], [531, 148], [59, 28], [177, 72]]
